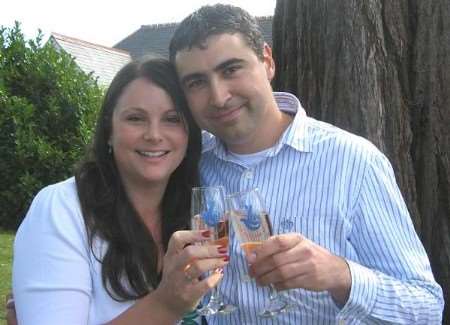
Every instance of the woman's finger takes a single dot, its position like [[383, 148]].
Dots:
[[197, 268], [206, 284], [183, 238]]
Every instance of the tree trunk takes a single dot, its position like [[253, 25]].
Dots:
[[380, 69]]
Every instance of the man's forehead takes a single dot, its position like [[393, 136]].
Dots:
[[212, 52], [194, 60], [202, 41], [187, 61]]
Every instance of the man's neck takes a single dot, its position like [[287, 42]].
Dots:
[[279, 122]]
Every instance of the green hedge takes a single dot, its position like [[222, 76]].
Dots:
[[48, 108]]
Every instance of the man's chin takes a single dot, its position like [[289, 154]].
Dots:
[[235, 142]]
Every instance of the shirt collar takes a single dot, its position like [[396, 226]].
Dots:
[[293, 136]]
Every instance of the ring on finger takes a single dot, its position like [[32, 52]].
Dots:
[[187, 276]]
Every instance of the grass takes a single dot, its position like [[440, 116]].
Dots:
[[6, 242]]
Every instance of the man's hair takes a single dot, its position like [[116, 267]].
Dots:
[[214, 20]]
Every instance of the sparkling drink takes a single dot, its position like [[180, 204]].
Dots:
[[252, 226], [222, 233], [208, 212], [219, 232], [250, 247]]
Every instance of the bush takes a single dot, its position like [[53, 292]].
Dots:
[[48, 108]]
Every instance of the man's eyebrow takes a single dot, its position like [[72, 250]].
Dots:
[[191, 76], [219, 67], [227, 63]]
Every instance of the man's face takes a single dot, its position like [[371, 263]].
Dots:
[[228, 89]]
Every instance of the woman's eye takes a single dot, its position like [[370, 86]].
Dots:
[[134, 118], [173, 119]]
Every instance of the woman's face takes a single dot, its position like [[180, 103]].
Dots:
[[148, 138]]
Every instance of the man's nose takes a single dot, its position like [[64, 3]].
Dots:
[[220, 93]]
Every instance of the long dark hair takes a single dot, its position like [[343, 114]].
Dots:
[[129, 265]]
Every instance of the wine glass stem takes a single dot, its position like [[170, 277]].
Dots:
[[273, 293], [215, 297], [215, 294]]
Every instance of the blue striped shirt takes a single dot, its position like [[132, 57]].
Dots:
[[338, 190]]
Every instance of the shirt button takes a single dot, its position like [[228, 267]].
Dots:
[[248, 174]]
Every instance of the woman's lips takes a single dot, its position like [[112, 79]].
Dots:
[[154, 154]]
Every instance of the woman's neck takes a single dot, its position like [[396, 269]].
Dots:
[[147, 201]]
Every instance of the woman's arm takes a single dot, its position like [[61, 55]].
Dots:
[[11, 318], [51, 268], [53, 273], [180, 289]]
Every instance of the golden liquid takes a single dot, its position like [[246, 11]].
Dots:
[[219, 233], [250, 247], [221, 241]]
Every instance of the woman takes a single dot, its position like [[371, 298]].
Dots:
[[105, 246]]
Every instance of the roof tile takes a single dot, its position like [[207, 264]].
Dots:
[[154, 39], [104, 62]]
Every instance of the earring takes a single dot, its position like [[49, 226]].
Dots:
[[109, 149]]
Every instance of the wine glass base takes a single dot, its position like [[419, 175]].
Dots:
[[216, 307], [208, 310], [275, 308], [226, 309]]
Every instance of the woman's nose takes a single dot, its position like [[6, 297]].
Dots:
[[153, 132]]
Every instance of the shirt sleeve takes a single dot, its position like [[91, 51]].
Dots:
[[393, 282], [51, 268]]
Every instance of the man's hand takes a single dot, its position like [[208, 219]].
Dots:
[[292, 261]]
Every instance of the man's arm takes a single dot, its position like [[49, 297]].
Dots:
[[391, 281]]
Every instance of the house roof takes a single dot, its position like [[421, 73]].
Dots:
[[104, 62], [154, 39]]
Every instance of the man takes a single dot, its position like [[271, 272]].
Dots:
[[346, 246]]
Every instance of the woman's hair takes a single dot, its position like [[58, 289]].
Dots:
[[129, 265]]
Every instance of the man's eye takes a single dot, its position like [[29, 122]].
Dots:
[[231, 70], [195, 84]]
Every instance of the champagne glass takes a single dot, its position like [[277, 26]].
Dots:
[[252, 226], [209, 212]]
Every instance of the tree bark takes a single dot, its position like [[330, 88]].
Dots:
[[380, 69]]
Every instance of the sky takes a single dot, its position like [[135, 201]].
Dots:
[[107, 22]]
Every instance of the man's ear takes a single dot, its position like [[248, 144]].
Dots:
[[268, 61]]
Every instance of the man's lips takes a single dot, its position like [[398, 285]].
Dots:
[[227, 115]]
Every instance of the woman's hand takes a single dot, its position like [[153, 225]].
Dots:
[[181, 287]]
